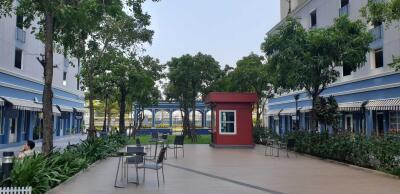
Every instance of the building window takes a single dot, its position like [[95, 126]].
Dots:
[[18, 58], [313, 17], [378, 58], [344, 3], [227, 124], [346, 70], [20, 21], [344, 7], [394, 122], [1, 122], [64, 78]]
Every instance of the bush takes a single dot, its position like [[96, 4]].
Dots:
[[381, 153], [43, 173], [261, 133]]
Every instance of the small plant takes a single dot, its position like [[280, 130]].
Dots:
[[43, 173]]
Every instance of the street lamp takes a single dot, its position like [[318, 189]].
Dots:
[[296, 98]]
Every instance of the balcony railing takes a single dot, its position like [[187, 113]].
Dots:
[[377, 32], [20, 35], [344, 10]]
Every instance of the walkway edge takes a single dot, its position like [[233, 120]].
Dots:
[[377, 172]]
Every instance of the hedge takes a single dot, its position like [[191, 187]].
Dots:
[[375, 152]]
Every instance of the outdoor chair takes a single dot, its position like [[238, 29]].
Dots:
[[269, 145], [146, 147], [159, 164], [178, 144], [164, 137], [290, 145], [154, 135], [134, 160]]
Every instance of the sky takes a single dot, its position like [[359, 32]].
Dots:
[[225, 29]]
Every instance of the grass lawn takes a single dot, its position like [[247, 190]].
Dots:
[[203, 139]]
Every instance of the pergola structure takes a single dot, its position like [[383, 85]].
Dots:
[[169, 108]]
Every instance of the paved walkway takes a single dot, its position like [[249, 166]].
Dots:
[[59, 142], [236, 171]]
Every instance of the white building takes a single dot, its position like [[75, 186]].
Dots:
[[21, 86]]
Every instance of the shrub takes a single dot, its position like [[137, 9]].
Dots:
[[381, 153], [43, 173]]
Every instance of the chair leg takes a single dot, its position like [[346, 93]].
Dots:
[[287, 152], [144, 174], [158, 180], [163, 177], [183, 151], [137, 175]]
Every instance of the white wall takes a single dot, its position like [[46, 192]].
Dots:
[[32, 48]]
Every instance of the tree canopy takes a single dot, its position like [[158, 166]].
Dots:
[[311, 59], [190, 78]]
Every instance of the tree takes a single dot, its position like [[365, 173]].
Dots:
[[191, 77], [327, 111], [250, 75], [310, 60], [56, 23], [118, 34], [383, 11]]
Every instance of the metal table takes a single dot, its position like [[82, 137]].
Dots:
[[122, 153]]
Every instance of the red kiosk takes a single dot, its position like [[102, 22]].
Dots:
[[231, 118]]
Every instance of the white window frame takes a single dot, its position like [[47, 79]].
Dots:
[[1, 121], [234, 123]]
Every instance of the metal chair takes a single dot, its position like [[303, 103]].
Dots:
[[178, 144], [135, 160], [159, 164], [146, 147]]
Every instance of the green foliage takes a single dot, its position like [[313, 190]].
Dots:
[[262, 133], [250, 75], [388, 12], [190, 78], [327, 111], [381, 11], [381, 153], [43, 173], [300, 59]]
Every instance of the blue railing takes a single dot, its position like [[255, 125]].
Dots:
[[344, 10], [20, 35], [377, 32]]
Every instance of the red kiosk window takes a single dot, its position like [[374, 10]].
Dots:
[[227, 122]]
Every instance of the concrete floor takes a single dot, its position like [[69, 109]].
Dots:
[[235, 171]]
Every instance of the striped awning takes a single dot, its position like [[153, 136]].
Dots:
[[65, 108], [350, 106], [274, 112], [20, 104], [388, 104], [82, 110], [305, 109], [288, 111], [56, 111]]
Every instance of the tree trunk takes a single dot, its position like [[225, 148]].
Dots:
[[258, 114], [105, 114], [122, 106], [92, 129], [47, 90], [108, 118], [314, 122], [193, 131]]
